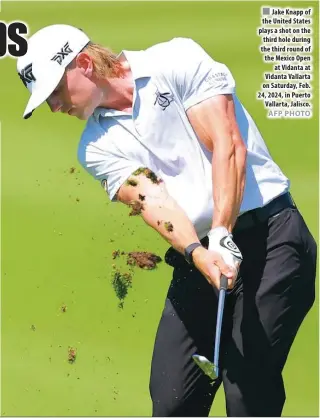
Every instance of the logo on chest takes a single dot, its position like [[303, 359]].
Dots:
[[163, 99]]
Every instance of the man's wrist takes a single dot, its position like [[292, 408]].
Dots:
[[218, 232], [196, 252], [223, 222], [189, 250]]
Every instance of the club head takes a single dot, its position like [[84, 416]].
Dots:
[[206, 366]]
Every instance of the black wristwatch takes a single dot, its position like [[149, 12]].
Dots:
[[189, 250]]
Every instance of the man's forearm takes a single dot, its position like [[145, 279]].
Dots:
[[228, 176], [167, 217], [148, 197]]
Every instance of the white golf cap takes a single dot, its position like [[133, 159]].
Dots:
[[50, 50]]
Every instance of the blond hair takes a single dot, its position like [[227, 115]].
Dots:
[[105, 61]]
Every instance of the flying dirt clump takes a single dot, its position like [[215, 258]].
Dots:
[[168, 226], [115, 254], [144, 260], [136, 208], [72, 354], [131, 182]]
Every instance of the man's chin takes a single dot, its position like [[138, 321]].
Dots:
[[78, 115], [83, 115]]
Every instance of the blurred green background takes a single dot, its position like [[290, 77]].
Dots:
[[59, 230]]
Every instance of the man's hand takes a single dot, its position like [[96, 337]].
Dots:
[[221, 242], [212, 265]]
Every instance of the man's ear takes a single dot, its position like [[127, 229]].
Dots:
[[84, 62]]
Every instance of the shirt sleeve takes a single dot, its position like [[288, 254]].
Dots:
[[111, 169], [196, 75]]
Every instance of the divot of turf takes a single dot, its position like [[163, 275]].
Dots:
[[121, 282]]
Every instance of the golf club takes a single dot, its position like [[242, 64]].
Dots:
[[209, 368]]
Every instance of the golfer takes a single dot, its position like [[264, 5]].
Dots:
[[165, 130]]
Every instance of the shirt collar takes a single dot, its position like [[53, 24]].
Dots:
[[139, 64], [140, 68]]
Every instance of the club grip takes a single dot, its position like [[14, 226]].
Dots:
[[223, 282]]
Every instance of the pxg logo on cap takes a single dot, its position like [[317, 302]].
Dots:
[[27, 75], [59, 56]]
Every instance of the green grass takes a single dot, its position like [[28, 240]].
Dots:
[[57, 250]]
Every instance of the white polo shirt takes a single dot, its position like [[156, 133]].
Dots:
[[169, 78]]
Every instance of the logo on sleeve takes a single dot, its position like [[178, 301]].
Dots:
[[217, 78], [227, 243], [163, 99]]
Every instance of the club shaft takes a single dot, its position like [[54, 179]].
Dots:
[[222, 295]]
